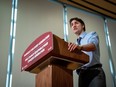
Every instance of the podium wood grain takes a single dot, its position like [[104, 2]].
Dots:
[[54, 76]]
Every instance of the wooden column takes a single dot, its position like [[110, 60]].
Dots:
[[54, 76]]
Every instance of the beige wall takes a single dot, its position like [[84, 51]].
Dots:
[[5, 16], [33, 19]]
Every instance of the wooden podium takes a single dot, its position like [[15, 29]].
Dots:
[[48, 57]]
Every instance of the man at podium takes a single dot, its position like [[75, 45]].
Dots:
[[90, 74]]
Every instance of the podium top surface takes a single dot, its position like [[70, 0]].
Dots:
[[49, 47]]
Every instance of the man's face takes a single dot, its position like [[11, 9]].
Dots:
[[77, 27]]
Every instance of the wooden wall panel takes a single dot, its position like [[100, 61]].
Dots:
[[105, 8]]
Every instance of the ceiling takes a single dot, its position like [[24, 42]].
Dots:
[[105, 8]]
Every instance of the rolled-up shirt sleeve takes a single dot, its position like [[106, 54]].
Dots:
[[94, 39]]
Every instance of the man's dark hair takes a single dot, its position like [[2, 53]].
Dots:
[[79, 20]]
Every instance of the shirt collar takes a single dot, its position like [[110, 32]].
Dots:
[[83, 34]]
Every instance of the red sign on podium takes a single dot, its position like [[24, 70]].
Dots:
[[38, 49]]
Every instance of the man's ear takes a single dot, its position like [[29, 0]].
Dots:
[[83, 26]]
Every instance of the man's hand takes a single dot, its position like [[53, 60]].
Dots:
[[73, 47]]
